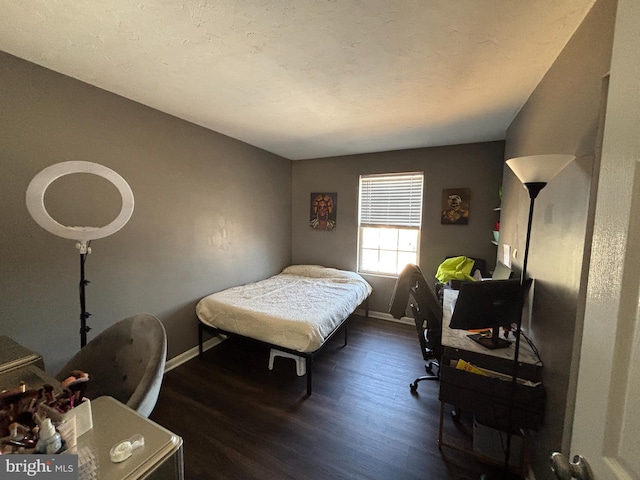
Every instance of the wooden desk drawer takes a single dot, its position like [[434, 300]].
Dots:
[[489, 398]]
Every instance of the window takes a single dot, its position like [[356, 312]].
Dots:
[[390, 220]]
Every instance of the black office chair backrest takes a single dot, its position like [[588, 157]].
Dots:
[[427, 311], [411, 282], [426, 299]]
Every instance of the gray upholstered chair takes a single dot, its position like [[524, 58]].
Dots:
[[126, 361]]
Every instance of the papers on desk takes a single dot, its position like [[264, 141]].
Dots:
[[461, 364]]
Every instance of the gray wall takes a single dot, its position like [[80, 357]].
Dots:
[[474, 166], [210, 212], [561, 116]]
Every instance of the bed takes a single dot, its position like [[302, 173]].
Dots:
[[295, 311]]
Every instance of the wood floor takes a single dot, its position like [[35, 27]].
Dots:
[[239, 420]]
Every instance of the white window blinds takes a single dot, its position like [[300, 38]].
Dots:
[[391, 200]]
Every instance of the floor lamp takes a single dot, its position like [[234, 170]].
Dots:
[[534, 172], [82, 235]]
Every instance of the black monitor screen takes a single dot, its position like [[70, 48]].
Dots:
[[488, 304]]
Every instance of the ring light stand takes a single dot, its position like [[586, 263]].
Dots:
[[82, 235]]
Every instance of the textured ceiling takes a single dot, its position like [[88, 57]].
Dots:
[[307, 78]]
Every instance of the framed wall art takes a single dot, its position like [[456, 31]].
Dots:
[[455, 206], [323, 209]]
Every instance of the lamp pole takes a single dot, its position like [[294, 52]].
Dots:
[[84, 315], [534, 189]]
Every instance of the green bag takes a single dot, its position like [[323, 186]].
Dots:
[[455, 268]]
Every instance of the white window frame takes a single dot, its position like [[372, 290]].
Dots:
[[389, 201]]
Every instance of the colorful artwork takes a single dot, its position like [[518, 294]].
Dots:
[[323, 211], [455, 206]]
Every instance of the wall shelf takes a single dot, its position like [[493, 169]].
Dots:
[[496, 233]]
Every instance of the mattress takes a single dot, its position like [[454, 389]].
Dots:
[[296, 309]]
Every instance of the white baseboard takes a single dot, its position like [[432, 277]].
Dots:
[[386, 316], [191, 353]]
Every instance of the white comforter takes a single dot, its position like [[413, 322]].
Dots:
[[296, 309]]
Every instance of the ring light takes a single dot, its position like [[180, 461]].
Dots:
[[40, 183], [83, 235]]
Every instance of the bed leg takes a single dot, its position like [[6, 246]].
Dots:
[[346, 333], [309, 362], [200, 340]]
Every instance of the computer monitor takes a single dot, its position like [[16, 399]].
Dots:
[[488, 305]]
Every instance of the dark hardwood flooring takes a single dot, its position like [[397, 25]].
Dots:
[[239, 420]]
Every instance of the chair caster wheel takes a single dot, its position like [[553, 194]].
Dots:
[[413, 387]]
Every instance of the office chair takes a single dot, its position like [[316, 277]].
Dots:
[[126, 361], [427, 315]]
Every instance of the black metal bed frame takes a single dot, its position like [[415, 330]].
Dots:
[[308, 356]]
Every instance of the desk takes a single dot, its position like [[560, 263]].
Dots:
[[33, 376], [161, 456], [487, 398], [13, 355], [457, 339]]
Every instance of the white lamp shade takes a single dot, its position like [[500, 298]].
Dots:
[[538, 168]]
